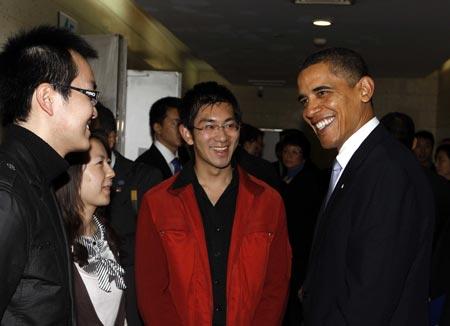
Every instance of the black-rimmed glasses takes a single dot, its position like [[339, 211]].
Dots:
[[213, 128], [92, 94]]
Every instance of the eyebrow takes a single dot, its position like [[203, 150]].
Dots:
[[315, 90], [213, 120], [321, 88]]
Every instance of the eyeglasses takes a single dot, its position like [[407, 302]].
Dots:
[[92, 94], [213, 128]]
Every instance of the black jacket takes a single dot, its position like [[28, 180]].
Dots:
[[153, 157], [370, 257], [35, 269], [132, 180]]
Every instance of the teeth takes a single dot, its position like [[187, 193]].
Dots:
[[323, 123]]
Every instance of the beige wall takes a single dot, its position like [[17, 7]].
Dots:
[[443, 110], [150, 45]]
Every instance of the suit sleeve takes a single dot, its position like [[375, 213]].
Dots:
[[270, 310], [393, 228], [13, 252], [147, 177], [152, 277]]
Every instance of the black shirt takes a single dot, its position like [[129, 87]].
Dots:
[[218, 224]]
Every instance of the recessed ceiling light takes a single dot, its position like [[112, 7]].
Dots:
[[321, 22]]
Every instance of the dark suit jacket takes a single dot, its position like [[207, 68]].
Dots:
[[370, 257], [132, 180], [258, 167], [302, 198], [153, 157]]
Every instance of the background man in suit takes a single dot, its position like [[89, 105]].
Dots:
[[164, 118], [132, 180], [212, 245], [424, 149], [401, 126], [370, 256]]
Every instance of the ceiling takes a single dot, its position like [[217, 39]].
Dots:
[[268, 39]]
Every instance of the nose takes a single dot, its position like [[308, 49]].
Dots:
[[221, 133], [311, 108], [110, 172]]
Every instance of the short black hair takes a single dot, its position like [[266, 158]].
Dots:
[[105, 119], [425, 134], [206, 94], [443, 148], [401, 126], [249, 134], [342, 62], [158, 111], [30, 58], [299, 139]]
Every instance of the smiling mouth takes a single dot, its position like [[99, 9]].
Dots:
[[322, 124], [220, 150]]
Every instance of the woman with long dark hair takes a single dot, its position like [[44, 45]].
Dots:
[[98, 277]]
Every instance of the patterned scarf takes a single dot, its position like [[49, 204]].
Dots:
[[107, 270]]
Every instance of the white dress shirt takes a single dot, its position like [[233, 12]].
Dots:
[[167, 154], [353, 142]]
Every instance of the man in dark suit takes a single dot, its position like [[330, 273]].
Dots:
[[401, 126], [163, 153], [371, 251], [132, 180]]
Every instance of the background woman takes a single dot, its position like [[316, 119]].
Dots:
[[443, 160], [302, 195], [98, 278]]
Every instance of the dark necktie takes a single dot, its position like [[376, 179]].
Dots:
[[176, 165]]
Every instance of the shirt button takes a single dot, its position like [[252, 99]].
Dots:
[[218, 229], [216, 282], [218, 308], [217, 254]]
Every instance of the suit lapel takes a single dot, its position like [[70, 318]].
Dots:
[[326, 211], [161, 162]]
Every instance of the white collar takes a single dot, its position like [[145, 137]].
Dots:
[[113, 158], [354, 141], [166, 153]]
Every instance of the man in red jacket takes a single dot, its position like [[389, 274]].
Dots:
[[211, 244]]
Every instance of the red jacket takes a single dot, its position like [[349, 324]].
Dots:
[[173, 280]]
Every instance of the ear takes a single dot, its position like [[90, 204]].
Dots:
[[186, 134], [366, 88], [45, 96], [414, 144], [157, 128]]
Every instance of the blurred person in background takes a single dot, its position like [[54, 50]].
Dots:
[[252, 140], [442, 159], [302, 197], [424, 148]]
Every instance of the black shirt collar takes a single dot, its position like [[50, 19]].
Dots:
[[187, 175], [47, 159]]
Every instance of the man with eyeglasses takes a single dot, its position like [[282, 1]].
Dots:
[[211, 244], [47, 97]]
